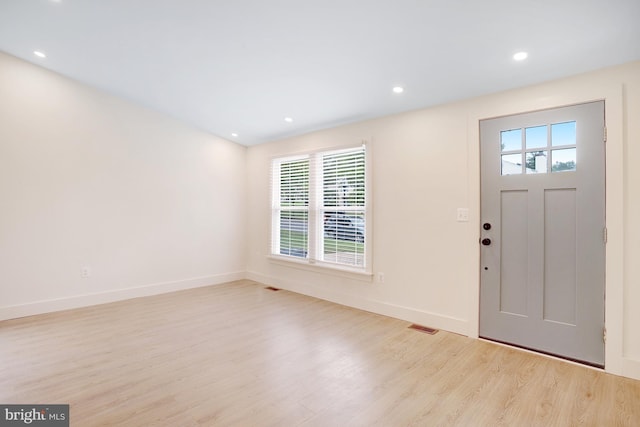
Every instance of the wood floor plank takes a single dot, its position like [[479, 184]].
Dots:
[[240, 355]]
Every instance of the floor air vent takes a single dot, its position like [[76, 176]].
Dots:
[[424, 329], [271, 288]]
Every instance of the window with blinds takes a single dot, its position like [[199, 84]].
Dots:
[[319, 207], [291, 208], [343, 207]]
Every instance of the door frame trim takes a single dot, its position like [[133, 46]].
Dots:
[[560, 94]]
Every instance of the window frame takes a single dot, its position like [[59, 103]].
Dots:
[[313, 260]]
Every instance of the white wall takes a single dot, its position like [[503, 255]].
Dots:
[[425, 166], [631, 189], [87, 179]]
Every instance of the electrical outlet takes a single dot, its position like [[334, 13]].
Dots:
[[381, 277], [85, 272], [463, 215]]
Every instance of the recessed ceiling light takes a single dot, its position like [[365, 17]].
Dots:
[[235, 135], [520, 56], [398, 89], [39, 54], [288, 119]]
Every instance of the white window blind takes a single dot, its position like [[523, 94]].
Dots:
[[291, 207], [320, 207], [343, 207]]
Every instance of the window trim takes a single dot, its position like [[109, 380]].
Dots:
[[308, 263]]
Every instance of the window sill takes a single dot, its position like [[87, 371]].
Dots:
[[322, 267]]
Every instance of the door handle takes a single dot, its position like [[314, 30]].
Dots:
[[486, 241], [486, 226]]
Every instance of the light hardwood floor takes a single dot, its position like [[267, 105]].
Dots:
[[240, 355]]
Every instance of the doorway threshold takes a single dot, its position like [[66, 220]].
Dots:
[[544, 353]]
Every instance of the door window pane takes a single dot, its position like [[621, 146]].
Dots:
[[536, 137], [511, 140], [511, 164], [563, 160], [563, 134], [537, 162]]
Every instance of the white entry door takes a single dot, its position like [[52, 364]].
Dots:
[[543, 231]]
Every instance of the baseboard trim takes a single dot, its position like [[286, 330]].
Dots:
[[67, 303], [412, 315]]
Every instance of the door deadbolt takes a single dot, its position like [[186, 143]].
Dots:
[[486, 226], [486, 241]]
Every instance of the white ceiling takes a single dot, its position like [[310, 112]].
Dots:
[[242, 66]]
